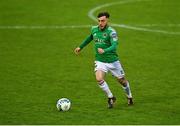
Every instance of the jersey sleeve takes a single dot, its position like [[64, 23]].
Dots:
[[114, 42], [86, 41]]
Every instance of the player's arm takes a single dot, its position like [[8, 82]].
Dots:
[[83, 44], [86, 41], [114, 42]]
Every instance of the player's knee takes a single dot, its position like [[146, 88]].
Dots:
[[99, 78], [122, 80], [100, 82]]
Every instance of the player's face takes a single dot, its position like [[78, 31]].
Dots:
[[102, 21]]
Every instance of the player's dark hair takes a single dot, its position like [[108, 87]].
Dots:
[[103, 14]]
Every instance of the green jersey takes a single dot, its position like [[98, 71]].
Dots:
[[107, 40]]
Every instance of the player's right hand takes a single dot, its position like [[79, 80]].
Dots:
[[77, 50]]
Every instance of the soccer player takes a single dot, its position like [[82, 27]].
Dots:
[[106, 59]]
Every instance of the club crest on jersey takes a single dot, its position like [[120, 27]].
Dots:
[[105, 35]]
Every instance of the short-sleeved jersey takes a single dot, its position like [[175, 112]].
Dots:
[[106, 39]]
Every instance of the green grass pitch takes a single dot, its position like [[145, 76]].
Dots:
[[38, 66]]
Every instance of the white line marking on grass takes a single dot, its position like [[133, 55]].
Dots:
[[93, 10], [144, 29], [44, 27], [156, 25], [137, 28], [83, 26]]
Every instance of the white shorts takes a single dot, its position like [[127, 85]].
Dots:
[[115, 68]]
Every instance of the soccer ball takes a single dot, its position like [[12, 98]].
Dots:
[[63, 104]]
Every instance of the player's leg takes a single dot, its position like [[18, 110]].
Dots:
[[104, 86], [118, 72], [102, 83], [126, 87], [100, 71]]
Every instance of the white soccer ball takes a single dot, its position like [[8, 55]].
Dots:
[[63, 104]]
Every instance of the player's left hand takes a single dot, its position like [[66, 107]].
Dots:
[[100, 50]]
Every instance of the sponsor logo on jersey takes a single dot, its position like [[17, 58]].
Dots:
[[97, 40], [114, 36]]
